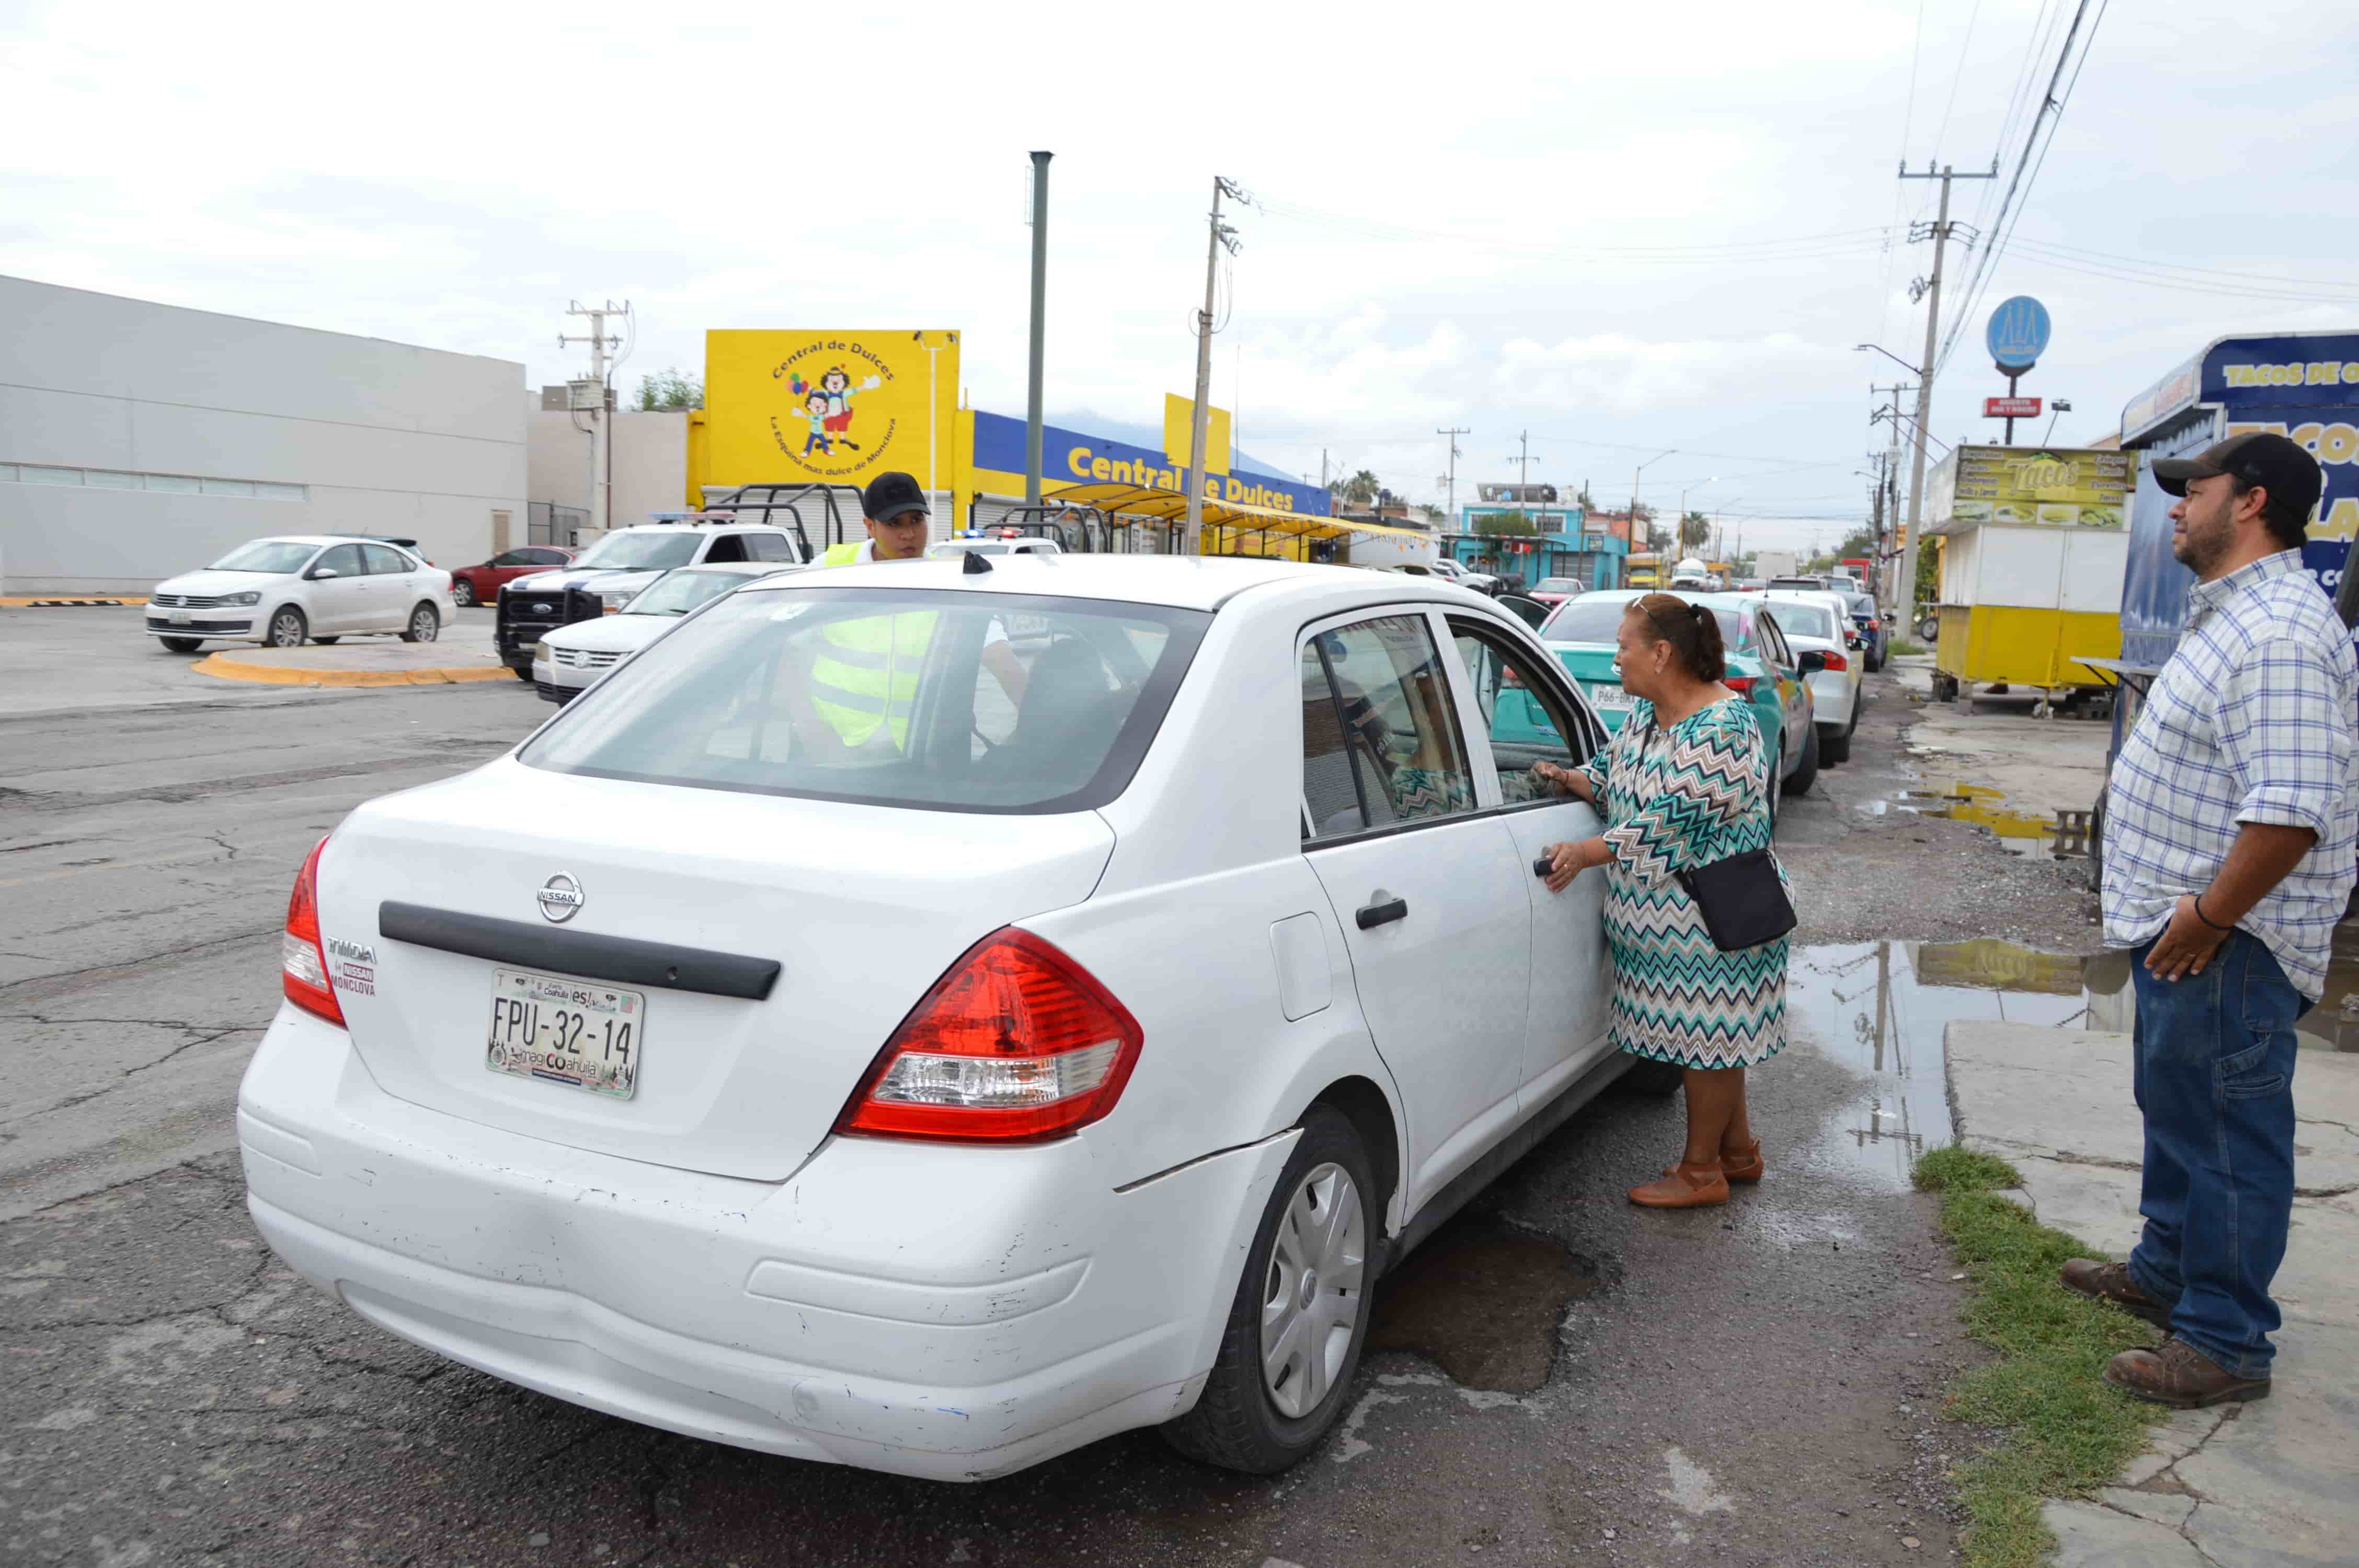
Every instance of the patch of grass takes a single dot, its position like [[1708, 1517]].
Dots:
[[1904, 645], [2067, 1433]]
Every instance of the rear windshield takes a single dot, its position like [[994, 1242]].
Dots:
[[1600, 619], [626, 551], [940, 701], [1804, 620], [274, 555]]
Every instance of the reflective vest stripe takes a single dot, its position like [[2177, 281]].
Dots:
[[866, 674]]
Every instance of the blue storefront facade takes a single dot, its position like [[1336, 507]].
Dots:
[[1564, 546]]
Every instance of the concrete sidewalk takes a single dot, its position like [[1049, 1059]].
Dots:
[[2268, 1483]]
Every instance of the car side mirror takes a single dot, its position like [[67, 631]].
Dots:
[[1811, 661], [318, 573]]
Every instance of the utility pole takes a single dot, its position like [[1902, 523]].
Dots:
[[1887, 489], [1039, 330], [1451, 436], [1524, 464], [1939, 232], [601, 433], [1223, 237]]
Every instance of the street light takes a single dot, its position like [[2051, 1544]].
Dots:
[[1887, 354], [1634, 475]]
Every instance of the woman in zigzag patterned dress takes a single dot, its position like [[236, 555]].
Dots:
[[1685, 782]]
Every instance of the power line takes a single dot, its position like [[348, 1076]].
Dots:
[[2052, 114], [1796, 247], [2147, 264], [2187, 286], [1959, 75]]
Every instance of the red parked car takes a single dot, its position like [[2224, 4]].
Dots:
[[1557, 589], [481, 584]]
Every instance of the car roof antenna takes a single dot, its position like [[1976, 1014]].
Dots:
[[975, 564]]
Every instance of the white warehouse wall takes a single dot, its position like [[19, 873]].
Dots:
[[649, 458], [385, 437]]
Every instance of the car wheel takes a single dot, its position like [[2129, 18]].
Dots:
[[327, 642], [1293, 1336], [522, 673], [1835, 750], [1806, 771], [425, 625], [462, 593], [181, 645], [287, 630], [1776, 761]]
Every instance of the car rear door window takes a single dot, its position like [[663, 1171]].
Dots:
[[722, 548], [344, 560], [386, 561], [768, 548], [1380, 740]]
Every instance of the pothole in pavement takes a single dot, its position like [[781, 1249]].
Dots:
[[1481, 1300], [2064, 836]]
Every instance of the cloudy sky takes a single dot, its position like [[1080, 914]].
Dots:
[[1619, 230]]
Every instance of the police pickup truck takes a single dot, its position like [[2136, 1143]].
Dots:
[[612, 571]]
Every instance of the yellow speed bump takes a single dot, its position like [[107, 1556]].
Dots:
[[226, 666]]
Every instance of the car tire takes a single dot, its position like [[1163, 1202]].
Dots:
[[425, 624], [462, 593], [522, 673], [1835, 751], [327, 642], [287, 629], [1649, 1076], [181, 645], [1239, 1421], [1806, 771]]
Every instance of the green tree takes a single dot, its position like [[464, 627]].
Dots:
[[670, 389], [1507, 524], [1360, 488], [1694, 529], [1430, 512]]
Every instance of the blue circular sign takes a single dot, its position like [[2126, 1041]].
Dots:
[[2018, 334]]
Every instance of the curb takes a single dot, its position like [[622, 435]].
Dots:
[[19, 602], [221, 667]]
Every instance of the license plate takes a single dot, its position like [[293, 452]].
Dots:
[[180, 618], [1610, 696], [573, 1032]]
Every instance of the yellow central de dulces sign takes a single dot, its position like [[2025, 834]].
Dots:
[[839, 406]]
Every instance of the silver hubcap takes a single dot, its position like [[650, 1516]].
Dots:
[[287, 632], [1311, 1301], [422, 626]]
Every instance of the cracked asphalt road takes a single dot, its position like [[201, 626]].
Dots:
[[1753, 1384]]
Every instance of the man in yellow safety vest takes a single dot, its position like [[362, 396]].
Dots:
[[864, 681]]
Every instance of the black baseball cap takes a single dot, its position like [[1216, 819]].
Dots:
[[891, 495], [2261, 457]]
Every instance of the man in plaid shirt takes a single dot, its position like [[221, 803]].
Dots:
[[2230, 835]]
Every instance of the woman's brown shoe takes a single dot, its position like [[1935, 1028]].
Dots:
[[1684, 1186], [1742, 1164]]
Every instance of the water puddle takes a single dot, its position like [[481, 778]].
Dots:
[[1879, 1008], [1481, 1300], [2023, 833]]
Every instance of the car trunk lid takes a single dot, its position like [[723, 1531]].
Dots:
[[862, 907]]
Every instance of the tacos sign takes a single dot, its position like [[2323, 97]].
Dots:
[[2031, 487]]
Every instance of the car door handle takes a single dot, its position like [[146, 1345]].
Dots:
[[1544, 867], [1382, 912]]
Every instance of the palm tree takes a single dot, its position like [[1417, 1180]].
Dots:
[[1694, 529], [1361, 487]]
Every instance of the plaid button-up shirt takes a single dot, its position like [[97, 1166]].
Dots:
[[2250, 721]]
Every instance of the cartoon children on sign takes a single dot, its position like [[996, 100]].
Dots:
[[830, 405]]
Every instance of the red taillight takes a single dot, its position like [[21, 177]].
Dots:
[[1873, 624], [302, 961], [1016, 1043], [1836, 661], [1741, 685]]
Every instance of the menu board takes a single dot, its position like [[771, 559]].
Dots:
[[2031, 487]]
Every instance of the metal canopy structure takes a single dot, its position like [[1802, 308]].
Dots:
[[1227, 522]]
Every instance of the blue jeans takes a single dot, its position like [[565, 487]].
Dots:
[[2214, 1057]]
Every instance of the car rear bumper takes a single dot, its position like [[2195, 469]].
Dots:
[[932, 1311], [1832, 697]]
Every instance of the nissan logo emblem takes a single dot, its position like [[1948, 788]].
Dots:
[[560, 898]]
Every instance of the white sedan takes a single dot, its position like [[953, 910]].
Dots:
[[1820, 623], [283, 590], [572, 659], [881, 1054]]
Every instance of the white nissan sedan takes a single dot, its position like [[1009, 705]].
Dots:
[[944, 1015]]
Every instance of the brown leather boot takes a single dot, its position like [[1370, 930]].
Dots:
[[2112, 1282], [1684, 1186], [2181, 1377], [1741, 1162]]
